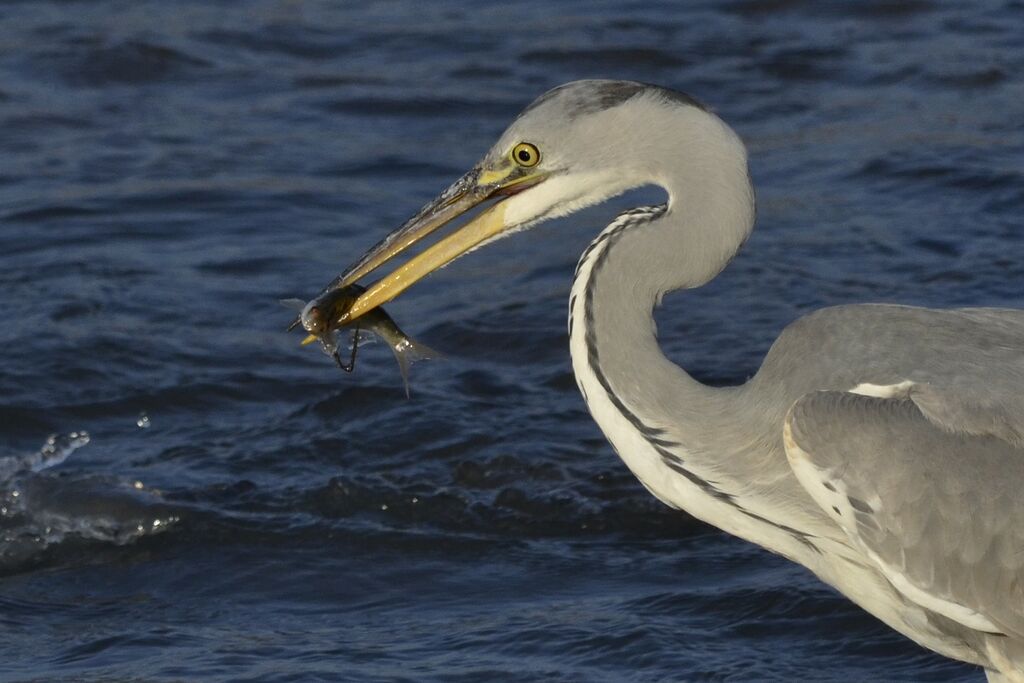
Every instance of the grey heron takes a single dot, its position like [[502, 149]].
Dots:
[[880, 446]]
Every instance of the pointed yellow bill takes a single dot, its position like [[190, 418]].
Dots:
[[479, 185], [460, 197], [484, 227]]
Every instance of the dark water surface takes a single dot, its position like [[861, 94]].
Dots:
[[168, 171]]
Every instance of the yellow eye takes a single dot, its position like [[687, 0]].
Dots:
[[525, 155]]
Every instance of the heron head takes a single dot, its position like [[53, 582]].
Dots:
[[574, 146]]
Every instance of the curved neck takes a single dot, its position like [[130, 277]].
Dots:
[[682, 439], [623, 278], [642, 255]]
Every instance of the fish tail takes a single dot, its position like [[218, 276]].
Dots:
[[403, 367], [418, 351], [408, 352]]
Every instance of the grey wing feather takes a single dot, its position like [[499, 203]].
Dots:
[[980, 390], [937, 508], [977, 409]]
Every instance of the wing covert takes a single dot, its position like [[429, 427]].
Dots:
[[938, 509]]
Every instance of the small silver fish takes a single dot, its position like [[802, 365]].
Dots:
[[318, 318]]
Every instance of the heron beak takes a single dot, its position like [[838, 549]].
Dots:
[[469, 191]]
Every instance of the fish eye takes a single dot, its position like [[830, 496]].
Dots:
[[526, 155]]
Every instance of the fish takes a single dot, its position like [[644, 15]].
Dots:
[[318, 317]]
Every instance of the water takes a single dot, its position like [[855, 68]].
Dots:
[[171, 170]]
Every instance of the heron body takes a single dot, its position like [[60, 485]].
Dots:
[[880, 446]]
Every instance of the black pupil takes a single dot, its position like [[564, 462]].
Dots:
[[524, 155]]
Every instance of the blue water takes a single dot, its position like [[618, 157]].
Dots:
[[168, 171]]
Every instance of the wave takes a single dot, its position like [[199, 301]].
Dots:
[[40, 509]]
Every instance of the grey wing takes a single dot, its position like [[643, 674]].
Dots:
[[994, 408], [937, 507], [963, 368], [977, 388]]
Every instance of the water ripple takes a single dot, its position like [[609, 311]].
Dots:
[[171, 170]]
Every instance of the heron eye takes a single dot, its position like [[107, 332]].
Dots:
[[525, 154]]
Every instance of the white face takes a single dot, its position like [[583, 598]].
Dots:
[[586, 155], [598, 139]]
